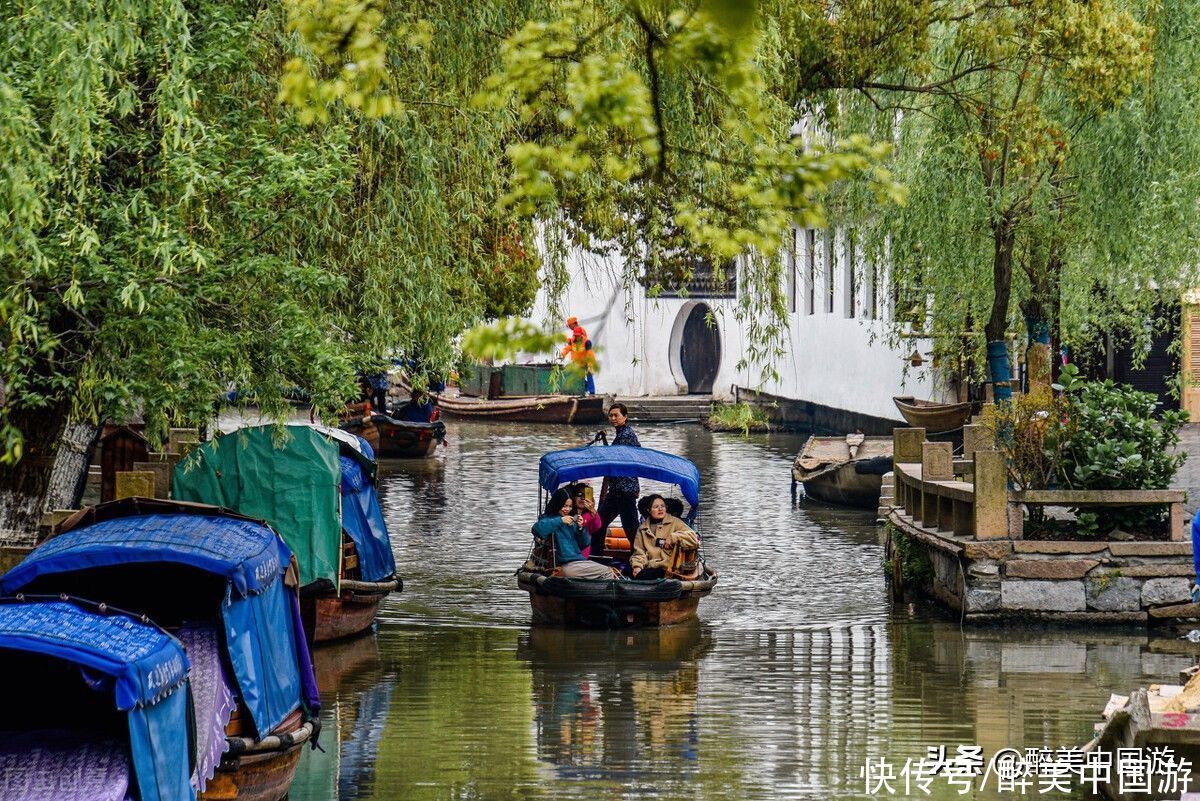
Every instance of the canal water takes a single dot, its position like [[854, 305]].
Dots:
[[800, 672]]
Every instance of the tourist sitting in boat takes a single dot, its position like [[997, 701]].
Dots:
[[663, 545], [586, 509], [559, 529]]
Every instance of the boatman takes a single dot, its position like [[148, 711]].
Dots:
[[622, 495]]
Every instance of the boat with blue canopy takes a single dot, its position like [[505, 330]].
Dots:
[[562, 600], [225, 586], [99, 707], [315, 486]]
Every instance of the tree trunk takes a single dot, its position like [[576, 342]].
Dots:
[[23, 485], [69, 479], [999, 369]]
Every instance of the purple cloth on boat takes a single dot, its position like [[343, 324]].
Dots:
[[59, 765], [211, 697], [308, 678]]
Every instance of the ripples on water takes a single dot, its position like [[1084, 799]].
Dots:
[[797, 673]]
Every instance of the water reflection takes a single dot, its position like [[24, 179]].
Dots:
[[605, 702], [799, 671]]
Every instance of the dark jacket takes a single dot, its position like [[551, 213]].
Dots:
[[569, 540], [625, 485]]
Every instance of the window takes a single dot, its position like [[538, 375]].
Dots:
[[871, 291], [829, 288], [849, 284], [790, 265], [810, 270]]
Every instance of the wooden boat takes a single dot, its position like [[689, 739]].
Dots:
[[933, 417], [396, 439], [844, 470], [1162, 716], [317, 490], [598, 603], [225, 586], [100, 703], [577, 409]]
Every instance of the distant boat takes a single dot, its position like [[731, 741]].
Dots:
[[395, 439], [577, 409], [933, 417], [844, 470]]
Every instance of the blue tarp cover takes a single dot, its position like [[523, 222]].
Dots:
[[247, 553], [266, 648], [562, 467], [148, 668], [362, 520]]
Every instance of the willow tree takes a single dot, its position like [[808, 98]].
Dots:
[[1027, 143], [169, 231]]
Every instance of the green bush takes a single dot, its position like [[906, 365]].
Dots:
[[737, 417], [1115, 440]]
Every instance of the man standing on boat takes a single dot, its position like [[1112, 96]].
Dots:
[[621, 497]]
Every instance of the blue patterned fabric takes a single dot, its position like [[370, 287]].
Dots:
[[562, 467], [245, 552], [149, 671]]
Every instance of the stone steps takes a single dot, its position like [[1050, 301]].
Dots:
[[669, 407], [887, 496]]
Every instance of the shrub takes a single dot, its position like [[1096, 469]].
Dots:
[[1114, 440], [737, 417]]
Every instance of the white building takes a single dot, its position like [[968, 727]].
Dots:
[[836, 360]]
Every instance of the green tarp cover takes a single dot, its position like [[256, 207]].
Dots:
[[290, 480]]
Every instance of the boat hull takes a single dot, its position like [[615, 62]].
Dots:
[[583, 603], [254, 777], [846, 487], [579, 410], [397, 439], [553, 611], [933, 417], [351, 612]]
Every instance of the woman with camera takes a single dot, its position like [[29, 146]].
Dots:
[[562, 530]]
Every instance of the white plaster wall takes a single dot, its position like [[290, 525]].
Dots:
[[830, 358]]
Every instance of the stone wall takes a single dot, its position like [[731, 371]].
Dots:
[[1114, 582]]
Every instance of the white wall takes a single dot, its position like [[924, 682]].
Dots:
[[829, 357]]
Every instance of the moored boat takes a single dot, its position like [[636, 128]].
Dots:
[[315, 486], [576, 409], [932, 416], [1162, 719], [597, 603], [98, 704], [396, 439], [844, 470], [225, 586]]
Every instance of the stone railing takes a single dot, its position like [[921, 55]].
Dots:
[[962, 517]]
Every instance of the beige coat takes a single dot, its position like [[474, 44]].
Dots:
[[675, 535]]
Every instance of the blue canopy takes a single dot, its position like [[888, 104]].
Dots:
[[362, 520], [148, 668], [562, 467], [263, 637]]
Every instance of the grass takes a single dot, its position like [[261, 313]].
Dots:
[[737, 417]]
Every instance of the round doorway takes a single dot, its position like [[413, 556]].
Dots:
[[699, 349]]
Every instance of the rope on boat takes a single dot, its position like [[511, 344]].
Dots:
[[381, 587], [272, 742]]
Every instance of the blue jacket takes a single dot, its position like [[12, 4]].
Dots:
[[569, 540]]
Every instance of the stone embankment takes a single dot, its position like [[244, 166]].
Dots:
[[956, 534]]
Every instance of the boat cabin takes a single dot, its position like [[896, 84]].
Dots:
[[98, 704], [316, 487]]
